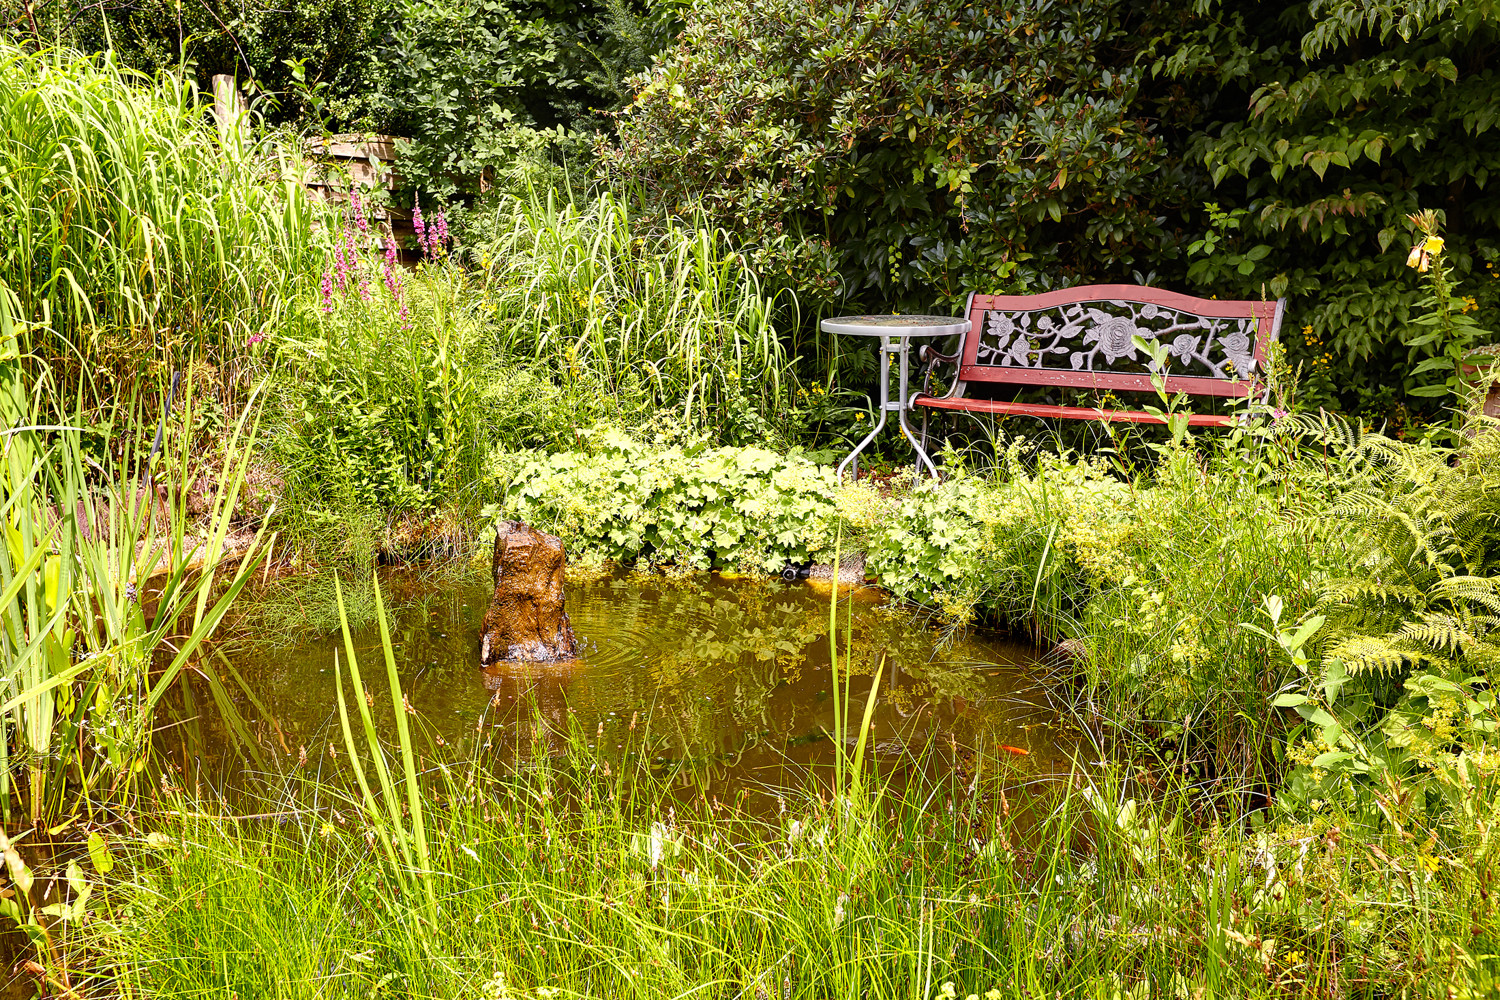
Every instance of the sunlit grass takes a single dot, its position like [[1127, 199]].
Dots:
[[135, 238]]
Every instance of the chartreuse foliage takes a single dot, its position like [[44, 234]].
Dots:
[[896, 152], [735, 508]]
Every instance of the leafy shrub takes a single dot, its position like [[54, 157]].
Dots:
[[379, 395], [738, 508], [1322, 127], [474, 83], [900, 153]]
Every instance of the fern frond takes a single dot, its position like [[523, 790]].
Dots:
[[1442, 633], [1483, 591], [1364, 654]]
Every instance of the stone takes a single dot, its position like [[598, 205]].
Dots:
[[851, 573], [526, 620]]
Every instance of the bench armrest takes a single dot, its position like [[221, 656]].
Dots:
[[932, 357]]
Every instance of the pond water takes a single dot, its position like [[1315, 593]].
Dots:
[[727, 678]]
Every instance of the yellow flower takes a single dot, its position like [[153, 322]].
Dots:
[[1434, 244], [859, 416]]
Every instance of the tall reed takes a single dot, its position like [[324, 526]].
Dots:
[[590, 287], [107, 593], [134, 235]]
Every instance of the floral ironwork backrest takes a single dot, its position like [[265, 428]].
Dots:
[[1100, 336]]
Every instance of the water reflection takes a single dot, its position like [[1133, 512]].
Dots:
[[696, 671]]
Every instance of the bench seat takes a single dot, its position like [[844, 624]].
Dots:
[[1087, 337], [1003, 408]]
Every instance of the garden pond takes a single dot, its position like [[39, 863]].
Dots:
[[726, 680]]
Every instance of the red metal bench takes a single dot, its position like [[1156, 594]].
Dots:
[[1084, 338]]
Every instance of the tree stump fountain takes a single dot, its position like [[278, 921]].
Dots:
[[525, 621]]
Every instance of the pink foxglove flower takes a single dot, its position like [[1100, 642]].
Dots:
[[419, 225], [359, 210]]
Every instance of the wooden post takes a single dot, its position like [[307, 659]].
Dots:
[[229, 105]]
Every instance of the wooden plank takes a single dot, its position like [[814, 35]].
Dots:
[[354, 145], [1193, 385], [1002, 408]]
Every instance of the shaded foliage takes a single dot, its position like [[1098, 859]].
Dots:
[[900, 153], [1322, 126]]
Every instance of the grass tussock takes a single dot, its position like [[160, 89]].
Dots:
[[563, 882], [136, 238]]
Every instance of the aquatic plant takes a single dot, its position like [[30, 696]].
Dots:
[[107, 591]]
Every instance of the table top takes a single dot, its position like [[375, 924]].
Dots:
[[896, 325]]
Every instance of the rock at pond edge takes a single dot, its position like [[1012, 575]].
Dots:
[[526, 620]]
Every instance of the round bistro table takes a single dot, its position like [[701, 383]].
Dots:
[[895, 333]]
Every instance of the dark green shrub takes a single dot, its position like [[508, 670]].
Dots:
[[311, 54], [1322, 126], [477, 83], [901, 153]]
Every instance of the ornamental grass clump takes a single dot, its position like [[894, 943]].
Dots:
[[595, 294], [136, 238]]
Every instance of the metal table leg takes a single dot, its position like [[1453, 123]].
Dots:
[[885, 393], [888, 346], [904, 405]]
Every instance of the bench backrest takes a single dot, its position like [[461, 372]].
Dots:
[[1083, 338]]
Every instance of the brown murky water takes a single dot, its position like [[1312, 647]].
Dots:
[[725, 678]]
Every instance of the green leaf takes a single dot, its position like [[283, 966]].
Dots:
[[19, 873], [1331, 758], [104, 862]]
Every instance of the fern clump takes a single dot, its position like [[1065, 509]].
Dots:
[[1429, 595]]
